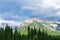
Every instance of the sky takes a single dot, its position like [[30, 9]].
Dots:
[[14, 11]]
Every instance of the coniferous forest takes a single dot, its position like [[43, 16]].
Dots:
[[7, 33]]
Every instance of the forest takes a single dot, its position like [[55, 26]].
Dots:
[[8, 33]]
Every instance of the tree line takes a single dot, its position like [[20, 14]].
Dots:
[[7, 33]]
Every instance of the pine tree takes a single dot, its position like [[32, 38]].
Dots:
[[35, 31], [11, 33], [28, 36], [23, 37], [39, 34], [29, 30], [8, 33], [1, 34], [15, 36], [19, 36], [32, 34], [45, 35]]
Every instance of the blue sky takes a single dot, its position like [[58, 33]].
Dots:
[[18, 10]]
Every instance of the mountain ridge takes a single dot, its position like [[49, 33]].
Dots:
[[49, 23], [52, 27]]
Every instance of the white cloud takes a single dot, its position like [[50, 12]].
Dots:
[[42, 3], [51, 3], [38, 7], [11, 23], [43, 7], [15, 16], [29, 7]]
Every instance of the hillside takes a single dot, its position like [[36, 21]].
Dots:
[[51, 27]]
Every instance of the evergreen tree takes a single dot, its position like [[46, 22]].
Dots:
[[8, 31], [32, 34], [29, 30], [39, 34], [2, 34], [23, 37], [15, 37], [19, 36], [45, 35], [11, 33], [35, 31], [29, 34]]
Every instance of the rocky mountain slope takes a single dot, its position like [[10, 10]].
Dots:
[[37, 23]]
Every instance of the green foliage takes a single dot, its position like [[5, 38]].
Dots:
[[32, 34], [1, 34], [15, 36], [8, 33]]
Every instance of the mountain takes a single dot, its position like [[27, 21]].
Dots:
[[50, 26]]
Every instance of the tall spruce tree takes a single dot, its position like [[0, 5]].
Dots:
[[15, 36], [29, 33], [11, 33], [19, 36], [2, 34], [35, 31], [39, 34], [8, 33], [32, 34]]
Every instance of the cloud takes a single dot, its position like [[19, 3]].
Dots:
[[42, 3], [18, 10], [10, 23], [29, 7], [51, 3], [42, 8]]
